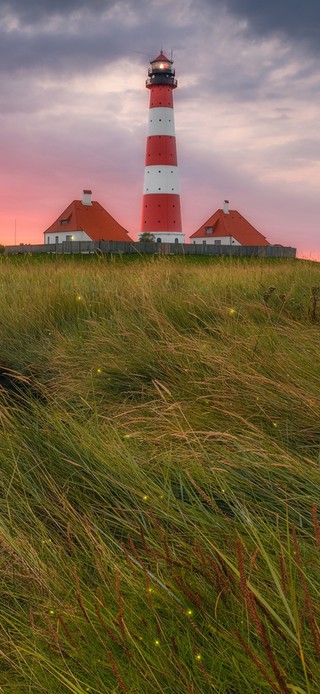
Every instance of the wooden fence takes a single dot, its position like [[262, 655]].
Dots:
[[147, 247]]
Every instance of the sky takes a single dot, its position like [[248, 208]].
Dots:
[[74, 111]]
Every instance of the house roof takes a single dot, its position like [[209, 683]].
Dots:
[[161, 56], [93, 219], [232, 224]]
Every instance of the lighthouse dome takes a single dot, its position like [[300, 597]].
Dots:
[[161, 58]]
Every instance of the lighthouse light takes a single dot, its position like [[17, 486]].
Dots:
[[161, 66]]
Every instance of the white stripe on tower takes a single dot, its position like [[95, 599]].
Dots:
[[161, 122], [161, 179], [161, 215]]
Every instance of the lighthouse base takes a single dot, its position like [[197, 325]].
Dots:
[[166, 236]]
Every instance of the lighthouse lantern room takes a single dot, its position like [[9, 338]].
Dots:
[[161, 214]]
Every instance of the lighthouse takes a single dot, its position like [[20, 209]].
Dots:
[[161, 214]]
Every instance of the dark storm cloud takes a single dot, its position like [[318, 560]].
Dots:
[[251, 84], [78, 36], [34, 10], [62, 34], [62, 51], [293, 18], [296, 19]]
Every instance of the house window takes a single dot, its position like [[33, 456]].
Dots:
[[64, 221], [217, 242], [176, 240], [68, 237], [159, 240], [57, 239], [48, 239], [208, 230], [204, 243]]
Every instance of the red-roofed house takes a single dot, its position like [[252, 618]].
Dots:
[[85, 220], [228, 227]]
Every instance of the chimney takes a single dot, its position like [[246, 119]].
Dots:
[[86, 197], [226, 206]]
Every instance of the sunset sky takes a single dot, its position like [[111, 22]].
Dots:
[[74, 110]]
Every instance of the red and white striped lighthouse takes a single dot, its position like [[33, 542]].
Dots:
[[161, 214]]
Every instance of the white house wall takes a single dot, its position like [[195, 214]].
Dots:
[[62, 236], [211, 240]]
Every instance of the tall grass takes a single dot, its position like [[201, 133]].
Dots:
[[159, 453]]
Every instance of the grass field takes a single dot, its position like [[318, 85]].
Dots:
[[160, 475]]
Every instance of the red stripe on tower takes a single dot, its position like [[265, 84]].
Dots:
[[161, 214]]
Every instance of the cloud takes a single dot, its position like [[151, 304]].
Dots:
[[72, 36], [63, 44], [292, 18], [37, 10]]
